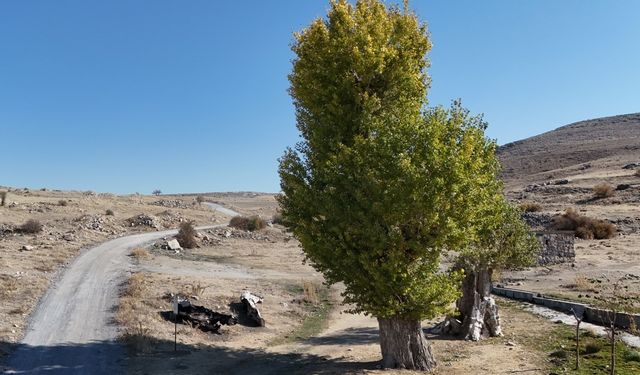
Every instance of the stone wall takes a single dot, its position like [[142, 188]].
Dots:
[[556, 247]]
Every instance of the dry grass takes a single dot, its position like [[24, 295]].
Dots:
[[8, 286], [582, 283], [637, 174], [135, 286], [530, 207], [310, 291], [135, 335], [195, 290], [603, 190], [584, 227], [140, 253]]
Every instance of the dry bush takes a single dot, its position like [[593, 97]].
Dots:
[[62, 202], [585, 227], [530, 207], [603, 190], [187, 235], [3, 197], [8, 286], [140, 253], [31, 226], [277, 219], [251, 223], [109, 212], [310, 292], [582, 283], [135, 286], [137, 338], [199, 199]]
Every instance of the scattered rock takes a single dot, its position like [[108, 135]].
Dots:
[[623, 187], [173, 245], [561, 182], [631, 166], [27, 248], [143, 220]]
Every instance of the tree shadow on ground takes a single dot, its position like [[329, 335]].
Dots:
[[349, 336], [159, 357]]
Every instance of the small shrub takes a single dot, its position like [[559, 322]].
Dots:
[[530, 207], [3, 197], [637, 174], [31, 226], [187, 235], [582, 283], [632, 356], [592, 347], [62, 203], [603, 190], [277, 219], [109, 212], [560, 353], [140, 253], [585, 227], [200, 199], [251, 223]]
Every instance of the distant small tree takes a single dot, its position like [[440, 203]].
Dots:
[[3, 197], [157, 192], [187, 235], [200, 199]]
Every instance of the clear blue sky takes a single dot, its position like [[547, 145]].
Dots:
[[190, 96]]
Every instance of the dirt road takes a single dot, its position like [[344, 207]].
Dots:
[[71, 331]]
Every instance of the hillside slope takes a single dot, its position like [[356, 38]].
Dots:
[[603, 143]]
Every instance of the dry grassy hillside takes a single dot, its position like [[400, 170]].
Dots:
[[607, 142]]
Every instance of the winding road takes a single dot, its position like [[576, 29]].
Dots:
[[72, 330]]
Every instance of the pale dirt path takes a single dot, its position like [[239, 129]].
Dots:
[[222, 209], [71, 331]]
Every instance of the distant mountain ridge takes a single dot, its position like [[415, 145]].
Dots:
[[607, 140]]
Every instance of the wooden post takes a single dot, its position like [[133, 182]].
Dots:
[[175, 323]]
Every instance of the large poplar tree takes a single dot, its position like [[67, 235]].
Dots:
[[379, 187]]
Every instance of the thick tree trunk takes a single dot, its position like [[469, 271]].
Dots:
[[404, 346], [478, 310]]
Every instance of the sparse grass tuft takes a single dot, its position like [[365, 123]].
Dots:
[[310, 293], [592, 347], [187, 235], [582, 283], [585, 227], [195, 290], [109, 212], [530, 207], [251, 223], [31, 226], [135, 286], [63, 202], [140, 253], [603, 190]]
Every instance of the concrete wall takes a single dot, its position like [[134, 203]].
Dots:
[[556, 247], [589, 314]]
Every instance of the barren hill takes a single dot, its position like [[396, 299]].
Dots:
[[603, 143]]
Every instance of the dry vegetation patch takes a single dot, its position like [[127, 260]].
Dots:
[[584, 227], [603, 190]]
